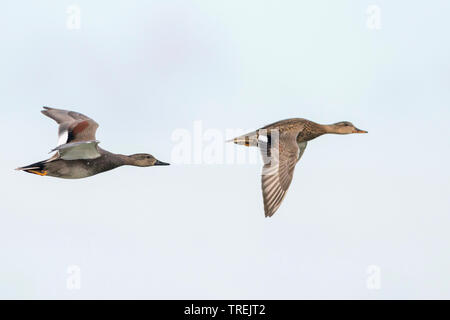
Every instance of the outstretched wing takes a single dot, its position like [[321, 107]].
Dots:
[[76, 134], [73, 126], [280, 154]]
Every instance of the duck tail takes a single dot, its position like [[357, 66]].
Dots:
[[248, 140], [35, 168]]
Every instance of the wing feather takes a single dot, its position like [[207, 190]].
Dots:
[[73, 126], [78, 150], [280, 155]]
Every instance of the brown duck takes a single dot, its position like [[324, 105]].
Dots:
[[78, 154], [282, 145]]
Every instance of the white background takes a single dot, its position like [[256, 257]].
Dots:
[[198, 231]]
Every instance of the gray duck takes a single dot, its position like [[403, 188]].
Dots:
[[78, 154], [282, 144]]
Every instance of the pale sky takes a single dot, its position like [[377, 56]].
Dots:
[[187, 231]]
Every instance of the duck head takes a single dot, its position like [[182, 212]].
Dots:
[[145, 160], [344, 127]]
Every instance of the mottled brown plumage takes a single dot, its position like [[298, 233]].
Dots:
[[282, 144]]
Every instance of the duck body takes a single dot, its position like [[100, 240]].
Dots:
[[80, 168], [78, 154], [282, 144], [307, 130]]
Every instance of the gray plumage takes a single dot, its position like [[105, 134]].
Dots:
[[78, 154]]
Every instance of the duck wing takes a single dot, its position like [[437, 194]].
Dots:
[[73, 126], [280, 153], [76, 134], [78, 150]]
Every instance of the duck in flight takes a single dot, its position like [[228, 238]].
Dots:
[[282, 145], [78, 154]]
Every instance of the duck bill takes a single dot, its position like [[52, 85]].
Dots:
[[160, 163], [359, 131]]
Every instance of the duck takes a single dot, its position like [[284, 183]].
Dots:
[[282, 144], [77, 154]]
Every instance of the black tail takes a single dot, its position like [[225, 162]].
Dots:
[[35, 168]]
